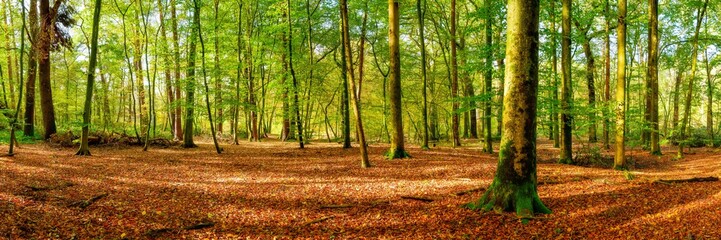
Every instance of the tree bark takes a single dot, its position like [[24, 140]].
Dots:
[[454, 78], [348, 55], [488, 78], [566, 85], [420, 10], [689, 95], [607, 76], [555, 124], [514, 185], [84, 150], [178, 133], [652, 74], [397, 149], [296, 104], [47, 16], [190, 83], [619, 161], [29, 125]]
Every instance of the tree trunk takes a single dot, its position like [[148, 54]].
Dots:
[[239, 72], [345, 98], [397, 149], [166, 69], [178, 133], [607, 76], [29, 127], [190, 84], [348, 55], [196, 18], [84, 150], [566, 86], [296, 104], [514, 185], [14, 119], [421, 38], [652, 74], [555, 124], [216, 71], [454, 78], [488, 78], [689, 95], [619, 161], [47, 16]]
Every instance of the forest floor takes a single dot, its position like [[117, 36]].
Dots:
[[273, 189]]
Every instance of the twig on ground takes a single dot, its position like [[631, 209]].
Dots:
[[86, 203], [318, 220], [689, 180], [422, 199]]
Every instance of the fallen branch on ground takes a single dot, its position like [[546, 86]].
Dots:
[[688, 180], [337, 206], [85, 203], [422, 199], [317, 220], [461, 193]]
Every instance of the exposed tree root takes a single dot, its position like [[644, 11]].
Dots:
[[689, 180], [521, 198], [83, 152], [395, 153]]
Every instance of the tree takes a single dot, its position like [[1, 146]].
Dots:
[[84, 150], [454, 77], [566, 85], [397, 149], [421, 38], [652, 73], [196, 16], [296, 104], [554, 69], [14, 119], [619, 160], [348, 55], [689, 95], [177, 121], [29, 126], [44, 42], [514, 185], [488, 78], [607, 73], [190, 82]]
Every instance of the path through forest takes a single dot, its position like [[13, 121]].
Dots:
[[272, 189]]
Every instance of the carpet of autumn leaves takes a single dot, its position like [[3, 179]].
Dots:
[[273, 189]]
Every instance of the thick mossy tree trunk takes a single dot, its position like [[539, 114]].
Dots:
[[566, 85], [397, 149], [84, 149], [514, 186]]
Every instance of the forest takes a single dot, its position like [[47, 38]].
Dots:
[[400, 119]]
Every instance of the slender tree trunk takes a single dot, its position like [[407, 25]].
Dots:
[[566, 86], [345, 98], [348, 55], [421, 38], [196, 16], [689, 95], [488, 78], [178, 132], [14, 119], [166, 69], [554, 67], [619, 161], [397, 149], [652, 74], [514, 186], [454, 78], [590, 82], [296, 104], [709, 102], [84, 150], [239, 72], [607, 75], [216, 71], [676, 95]]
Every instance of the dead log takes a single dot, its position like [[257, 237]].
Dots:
[[422, 199], [689, 180], [461, 193], [86, 203]]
